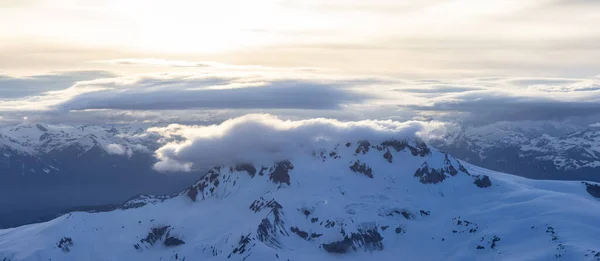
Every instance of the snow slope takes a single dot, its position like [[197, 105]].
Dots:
[[356, 201]]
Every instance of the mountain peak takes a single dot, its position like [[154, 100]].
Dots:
[[350, 200]]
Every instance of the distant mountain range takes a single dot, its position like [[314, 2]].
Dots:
[[61, 167], [539, 150], [362, 200]]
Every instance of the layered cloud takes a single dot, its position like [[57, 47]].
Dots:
[[487, 100], [216, 95], [279, 94], [18, 87], [266, 138]]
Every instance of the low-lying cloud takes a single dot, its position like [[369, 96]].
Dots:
[[263, 138]]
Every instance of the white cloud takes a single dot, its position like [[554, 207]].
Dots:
[[118, 149], [266, 138], [597, 124]]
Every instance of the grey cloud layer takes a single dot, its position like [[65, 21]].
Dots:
[[290, 94], [215, 97], [504, 99], [18, 87]]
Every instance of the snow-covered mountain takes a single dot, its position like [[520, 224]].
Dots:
[[355, 201], [76, 166], [536, 150]]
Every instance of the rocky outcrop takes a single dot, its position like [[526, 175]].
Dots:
[[482, 181], [280, 172], [388, 156], [363, 147], [246, 167], [362, 168], [368, 240], [592, 189], [429, 175], [419, 148], [272, 225], [155, 234], [172, 241], [65, 244]]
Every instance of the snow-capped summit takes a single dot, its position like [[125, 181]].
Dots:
[[354, 201]]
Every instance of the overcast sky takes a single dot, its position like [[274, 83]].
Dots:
[[113, 61]]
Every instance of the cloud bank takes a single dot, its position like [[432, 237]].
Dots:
[[289, 94], [265, 138], [215, 96], [20, 87]]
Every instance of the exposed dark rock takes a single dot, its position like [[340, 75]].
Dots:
[[155, 234], [429, 176], [383, 228], [315, 235], [192, 193], [243, 246], [421, 148], [550, 230], [329, 223], [314, 220], [399, 230], [592, 189], [348, 144], [494, 240], [300, 233], [246, 167], [368, 240], [363, 147], [65, 244], [40, 127], [388, 156], [469, 226], [482, 181], [425, 212], [261, 203], [362, 168], [463, 169], [306, 212], [266, 233], [448, 166], [173, 241], [280, 172], [268, 229], [406, 214], [480, 247], [262, 171]]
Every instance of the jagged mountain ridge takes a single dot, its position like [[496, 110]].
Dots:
[[558, 151], [76, 165], [357, 200]]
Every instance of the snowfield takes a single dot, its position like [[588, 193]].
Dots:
[[357, 201]]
